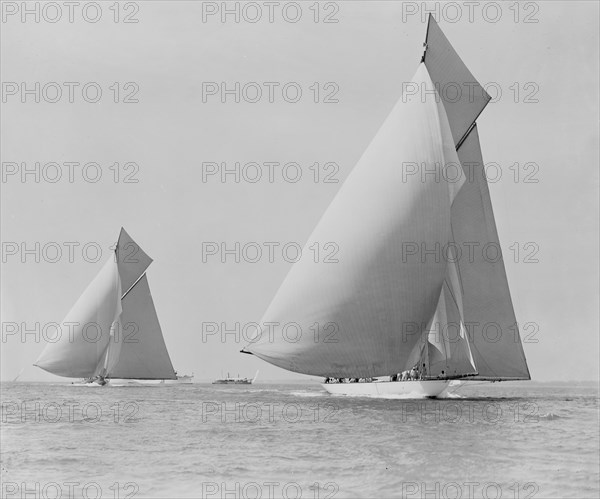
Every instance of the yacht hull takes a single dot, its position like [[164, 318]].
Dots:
[[181, 380], [409, 389]]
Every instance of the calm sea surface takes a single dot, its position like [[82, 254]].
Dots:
[[525, 440]]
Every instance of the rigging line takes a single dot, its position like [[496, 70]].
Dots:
[[469, 130], [426, 37], [456, 266], [131, 287], [454, 299]]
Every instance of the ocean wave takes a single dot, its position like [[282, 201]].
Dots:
[[309, 394], [451, 395], [550, 416]]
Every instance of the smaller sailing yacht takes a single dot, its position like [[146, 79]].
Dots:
[[112, 331]]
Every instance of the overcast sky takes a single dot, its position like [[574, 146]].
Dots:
[[545, 120]]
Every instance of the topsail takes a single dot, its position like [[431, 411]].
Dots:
[[373, 312]]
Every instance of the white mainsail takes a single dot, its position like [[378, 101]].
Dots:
[[379, 300], [96, 335], [382, 304], [85, 332]]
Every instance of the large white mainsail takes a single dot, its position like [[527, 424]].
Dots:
[[378, 300], [381, 304], [113, 329]]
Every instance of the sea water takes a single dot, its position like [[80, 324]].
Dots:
[[502, 440]]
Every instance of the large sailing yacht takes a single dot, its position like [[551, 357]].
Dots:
[[395, 308]]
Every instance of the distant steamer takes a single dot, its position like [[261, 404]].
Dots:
[[235, 381]]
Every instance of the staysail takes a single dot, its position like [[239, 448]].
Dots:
[[488, 310], [143, 353], [378, 300], [112, 330], [447, 344]]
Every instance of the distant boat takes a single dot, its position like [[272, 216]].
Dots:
[[379, 321], [112, 331], [185, 379], [235, 381]]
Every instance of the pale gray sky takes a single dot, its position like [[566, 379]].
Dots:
[[170, 132]]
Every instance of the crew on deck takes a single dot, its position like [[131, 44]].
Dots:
[[413, 374]]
